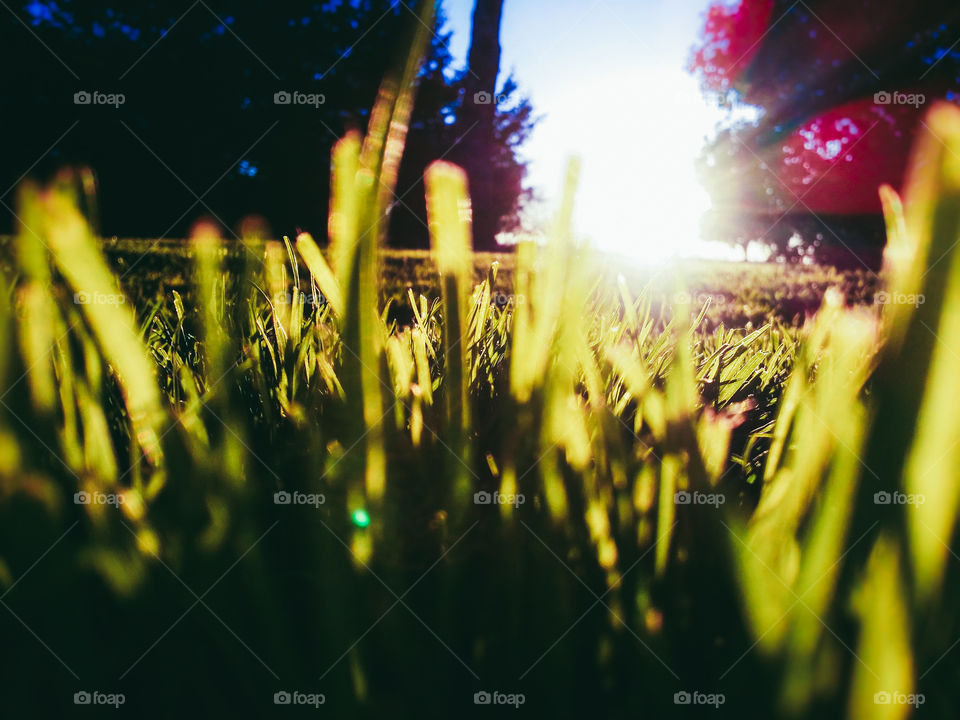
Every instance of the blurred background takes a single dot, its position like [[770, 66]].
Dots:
[[723, 129]]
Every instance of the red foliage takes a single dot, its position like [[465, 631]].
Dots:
[[803, 75], [835, 162], [731, 36]]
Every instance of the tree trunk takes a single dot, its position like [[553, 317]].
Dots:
[[479, 117], [484, 56]]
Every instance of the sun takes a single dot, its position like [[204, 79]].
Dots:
[[638, 136]]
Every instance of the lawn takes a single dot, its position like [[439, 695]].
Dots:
[[245, 475], [594, 492], [739, 293], [242, 473]]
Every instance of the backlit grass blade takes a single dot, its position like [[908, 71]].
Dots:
[[357, 242], [112, 320], [448, 208], [36, 332], [321, 271], [390, 124], [934, 457], [916, 379], [883, 677], [344, 218], [207, 250]]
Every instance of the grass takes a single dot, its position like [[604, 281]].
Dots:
[[263, 482], [739, 292]]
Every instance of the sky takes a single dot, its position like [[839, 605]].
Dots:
[[608, 78]]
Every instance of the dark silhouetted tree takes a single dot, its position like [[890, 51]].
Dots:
[[480, 111], [200, 118], [495, 123], [472, 124]]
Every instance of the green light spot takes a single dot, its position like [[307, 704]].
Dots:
[[360, 518]]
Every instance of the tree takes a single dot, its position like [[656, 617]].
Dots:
[[464, 120], [496, 124], [480, 112], [838, 88], [200, 118]]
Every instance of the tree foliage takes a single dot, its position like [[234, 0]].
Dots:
[[832, 82], [199, 132]]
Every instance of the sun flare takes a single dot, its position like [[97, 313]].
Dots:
[[639, 194]]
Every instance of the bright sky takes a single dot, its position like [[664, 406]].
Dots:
[[608, 76]]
